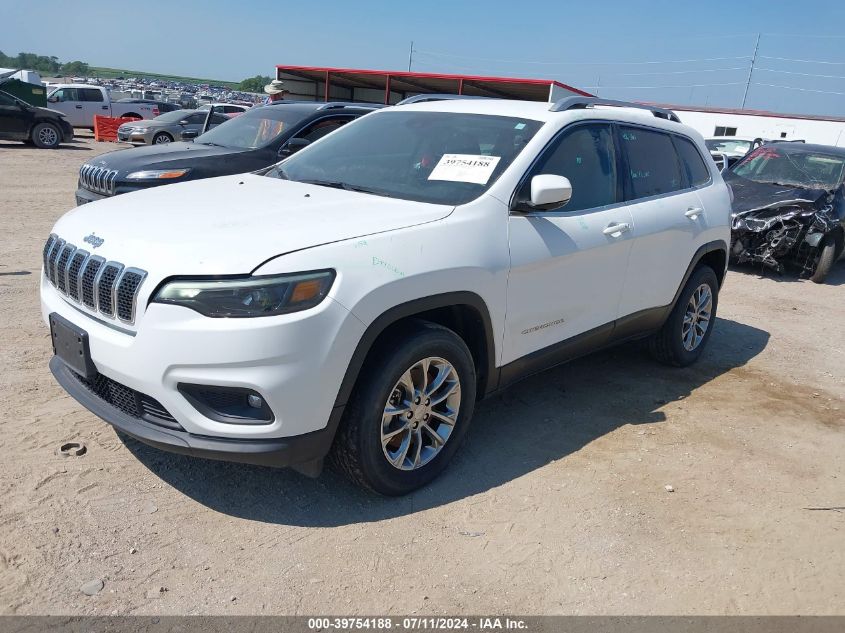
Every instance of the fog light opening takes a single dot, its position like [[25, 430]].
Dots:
[[230, 405]]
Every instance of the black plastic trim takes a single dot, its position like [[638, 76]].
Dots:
[[488, 376], [193, 394], [275, 452]]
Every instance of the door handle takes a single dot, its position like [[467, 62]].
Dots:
[[616, 229], [79, 107], [104, 107], [693, 212]]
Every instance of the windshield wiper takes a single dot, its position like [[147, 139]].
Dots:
[[336, 184]]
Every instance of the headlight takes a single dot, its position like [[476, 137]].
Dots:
[[249, 296], [138, 130], [157, 174]]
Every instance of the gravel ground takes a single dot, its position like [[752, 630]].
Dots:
[[556, 504]]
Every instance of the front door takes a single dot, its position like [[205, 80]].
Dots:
[[14, 119], [568, 266]]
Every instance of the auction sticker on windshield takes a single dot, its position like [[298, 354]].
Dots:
[[465, 168]]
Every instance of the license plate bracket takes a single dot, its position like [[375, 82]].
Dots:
[[70, 344]]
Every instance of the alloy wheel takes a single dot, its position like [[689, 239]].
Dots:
[[48, 136], [420, 413], [697, 317]]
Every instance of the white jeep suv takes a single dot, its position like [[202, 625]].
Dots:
[[358, 298]]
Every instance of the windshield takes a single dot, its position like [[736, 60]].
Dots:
[[790, 167], [259, 127], [732, 146], [438, 157], [174, 117]]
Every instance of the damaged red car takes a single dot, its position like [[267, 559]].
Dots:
[[788, 203]]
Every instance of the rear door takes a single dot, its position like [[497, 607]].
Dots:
[[568, 266], [663, 173]]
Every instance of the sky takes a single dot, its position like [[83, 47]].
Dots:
[[668, 52]]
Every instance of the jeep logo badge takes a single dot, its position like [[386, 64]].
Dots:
[[93, 240]]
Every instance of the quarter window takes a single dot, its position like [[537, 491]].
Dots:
[[697, 172], [586, 156], [653, 165]]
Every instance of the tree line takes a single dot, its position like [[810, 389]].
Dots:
[[44, 64]]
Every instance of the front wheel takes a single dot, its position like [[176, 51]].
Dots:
[[827, 257], [162, 138], [410, 409], [682, 338], [46, 136]]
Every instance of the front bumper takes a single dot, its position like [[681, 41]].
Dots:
[[276, 452], [295, 362]]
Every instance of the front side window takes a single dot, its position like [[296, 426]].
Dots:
[[65, 94], [6, 100], [319, 129], [586, 156], [438, 157], [653, 165], [697, 172]]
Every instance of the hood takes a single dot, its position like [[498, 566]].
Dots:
[[144, 123], [749, 195], [53, 113], [231, 225], [176, 154]]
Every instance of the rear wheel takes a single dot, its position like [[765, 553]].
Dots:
[[682, 338], [827, 257], [162, 138], [46, 136], [131, 115], [410, 409]]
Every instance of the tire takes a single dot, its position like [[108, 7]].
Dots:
[[162, 138], [676, 344], [361, 449], [827, 257], [46, 136]]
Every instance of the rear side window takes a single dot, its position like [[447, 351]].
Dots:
[[90, 94], [697, 172], [653, 165], [586, 156]]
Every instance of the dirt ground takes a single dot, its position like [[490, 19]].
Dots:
[[556, 504]]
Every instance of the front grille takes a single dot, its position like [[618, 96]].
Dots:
[[97, 179], [102, 286], [132, 403]]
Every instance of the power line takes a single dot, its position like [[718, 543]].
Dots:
[[790, 72], [826, 92], [614, 63], [732, 83], [682, 72], [803, 61]]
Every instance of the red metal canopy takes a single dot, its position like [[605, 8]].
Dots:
[[388, 86]]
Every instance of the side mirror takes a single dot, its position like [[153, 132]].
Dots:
[[190, 135], [184, 122], [52, 99], [548, 192], [293, 146]]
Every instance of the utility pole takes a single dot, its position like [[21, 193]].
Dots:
[[751, 71], [410, 55]]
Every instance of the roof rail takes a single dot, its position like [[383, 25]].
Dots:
[[349, 104], [578, 103], [436, 97]]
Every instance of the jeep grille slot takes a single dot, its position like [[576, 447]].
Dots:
[[105, 287], [97, 179], [109, 288]]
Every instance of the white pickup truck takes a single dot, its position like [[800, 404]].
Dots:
[[81, 102]]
